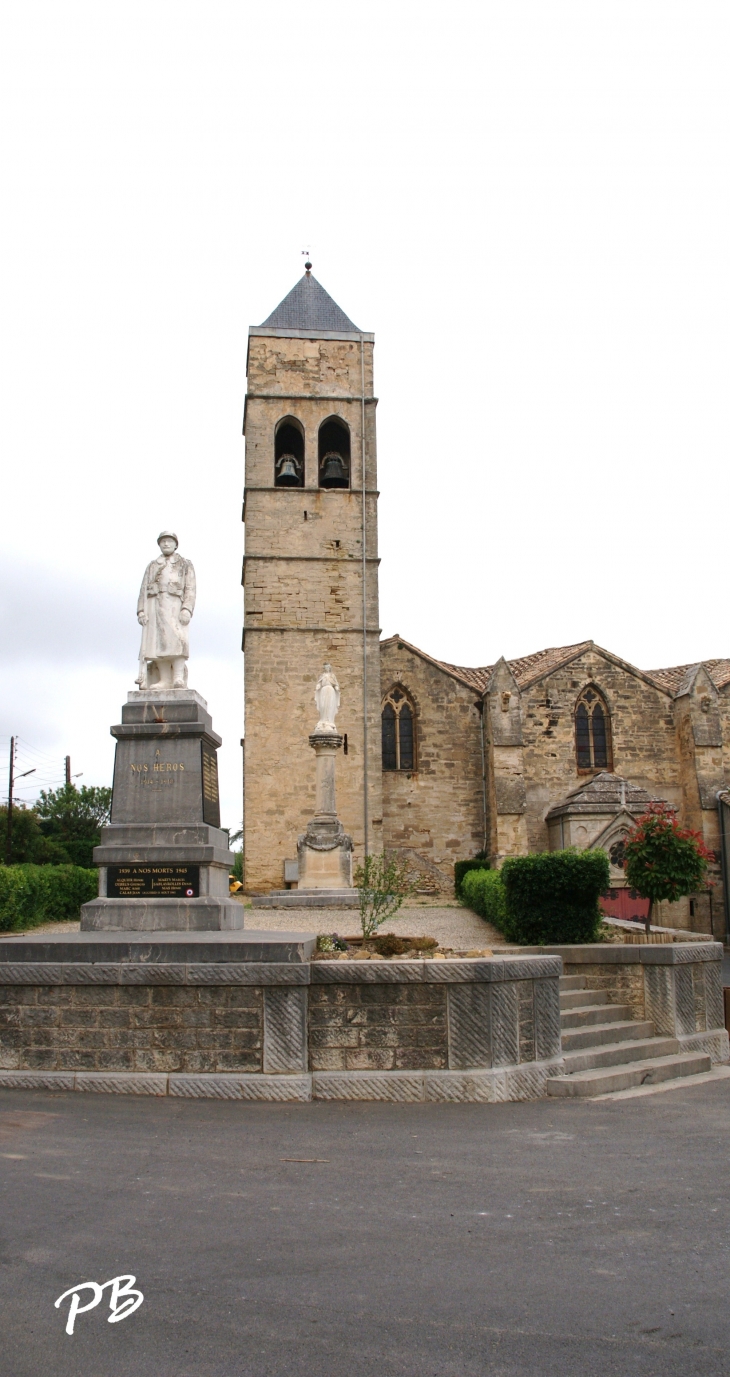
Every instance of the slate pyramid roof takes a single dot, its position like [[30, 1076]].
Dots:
[[604, 793], [309, 307]]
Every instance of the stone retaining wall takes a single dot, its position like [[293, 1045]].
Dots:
[[678, 986], [484, 1029]]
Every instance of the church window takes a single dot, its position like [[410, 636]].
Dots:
[[289, 454], [398, 727], [334, 454], [592, 731]]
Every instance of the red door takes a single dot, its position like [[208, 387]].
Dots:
[[624, 903]]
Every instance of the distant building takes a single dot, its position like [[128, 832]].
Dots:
[[564, 747]]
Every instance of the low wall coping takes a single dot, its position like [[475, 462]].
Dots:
[[648, 954], [459, 971]]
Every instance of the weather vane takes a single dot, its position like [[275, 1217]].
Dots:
[[307, 265]]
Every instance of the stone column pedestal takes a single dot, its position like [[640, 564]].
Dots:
[[325, 849], [164, 860]]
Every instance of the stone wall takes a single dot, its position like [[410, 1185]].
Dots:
[[123, 1028], [435, 810], [303, 601], [642, 728], [677, 986], [451, 1030]]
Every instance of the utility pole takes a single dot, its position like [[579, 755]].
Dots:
[[68, 770], [11, 781]]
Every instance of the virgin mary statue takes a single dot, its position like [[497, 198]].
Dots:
[[327, 698]]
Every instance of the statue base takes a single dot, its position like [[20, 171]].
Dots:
[[325, 856], [164, 859]]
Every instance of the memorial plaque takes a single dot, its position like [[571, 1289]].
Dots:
[[153, 881], [211, 801]]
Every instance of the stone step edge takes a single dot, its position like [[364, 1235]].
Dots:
[[493, 1085], [621, 1051], [585, 1012], [594, 999], [629, 1030], [575, 1082], [718, 1073]]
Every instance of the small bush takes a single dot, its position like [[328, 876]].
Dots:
[[552, 896], [422, 943], [390, 945], [382, 884], [461, 868], [35, 894], [329, 941], [483, 891]]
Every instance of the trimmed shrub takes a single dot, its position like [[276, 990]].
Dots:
[[484, 891], [461, 868], [35, 894], [552, 896]]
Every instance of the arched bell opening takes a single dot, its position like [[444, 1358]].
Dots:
[[289, 454], [334, 454]]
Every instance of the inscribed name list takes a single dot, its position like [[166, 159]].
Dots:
[[153, 881]]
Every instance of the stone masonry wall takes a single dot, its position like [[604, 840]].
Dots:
[[377, 1027], [642, 729], [435, 810], [481, 1029], [123, 1028], [303, 601]]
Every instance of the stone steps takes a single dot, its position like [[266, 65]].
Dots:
[[572, 982], [606, 1051], [617, 1053], [603, 1081], [574, 999], [586, 1014], [593, 1036]]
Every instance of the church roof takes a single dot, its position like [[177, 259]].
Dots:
[[604, 793], [529, 668], [309, 307], [674, 678]]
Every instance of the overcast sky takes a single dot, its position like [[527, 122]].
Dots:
[[526, 202]]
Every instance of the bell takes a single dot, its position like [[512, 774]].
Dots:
[[334, 473], [288, 476]]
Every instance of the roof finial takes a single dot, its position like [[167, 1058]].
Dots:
[[307, 264]]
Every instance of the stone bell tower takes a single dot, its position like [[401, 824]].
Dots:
[[310, 575]]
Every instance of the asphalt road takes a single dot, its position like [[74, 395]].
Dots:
[[543, 1238]]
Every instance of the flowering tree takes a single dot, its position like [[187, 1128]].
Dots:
[[664, 860]]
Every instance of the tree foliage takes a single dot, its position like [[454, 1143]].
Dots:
[[664, 860], [70, 821], [28, 845]]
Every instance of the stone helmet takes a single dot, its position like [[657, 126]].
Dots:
[[168, 535]]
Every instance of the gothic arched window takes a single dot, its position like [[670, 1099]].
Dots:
[[399, 737], [592, 731], [289, 454], [334, 454]]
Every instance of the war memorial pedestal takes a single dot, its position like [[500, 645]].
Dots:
[[164, 861]]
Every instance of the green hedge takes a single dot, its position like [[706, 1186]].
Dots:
[[552, 896], [461, 868], [34, 894], [483, 891]]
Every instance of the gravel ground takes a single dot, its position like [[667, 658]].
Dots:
[[451, 925]]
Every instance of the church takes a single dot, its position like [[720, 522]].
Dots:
[[441, 762]]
